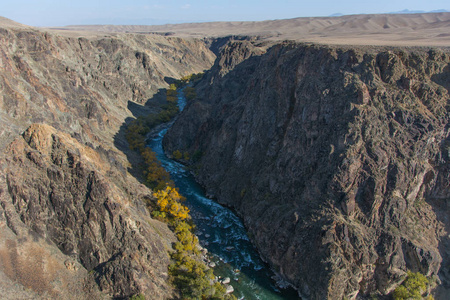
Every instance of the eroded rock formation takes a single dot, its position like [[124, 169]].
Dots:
[[83, 85], [66, 212], [335, 157], [73, 221]]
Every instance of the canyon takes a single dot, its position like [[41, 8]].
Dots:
[[334, 156]]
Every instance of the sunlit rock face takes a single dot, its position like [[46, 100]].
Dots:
[[83, 85], [73, 223], [335, 157]]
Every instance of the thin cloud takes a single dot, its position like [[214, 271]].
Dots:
[[186, 6], [154, 6]]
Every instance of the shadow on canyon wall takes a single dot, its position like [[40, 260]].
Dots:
[[152, 105]]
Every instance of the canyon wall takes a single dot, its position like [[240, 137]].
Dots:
[[84, 85], [336, 158], [73, 221]]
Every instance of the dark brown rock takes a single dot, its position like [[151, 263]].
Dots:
[[335, 157]]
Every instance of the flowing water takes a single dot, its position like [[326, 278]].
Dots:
[[222, 233]]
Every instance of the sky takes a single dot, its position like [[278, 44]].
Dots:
[[156, 12]]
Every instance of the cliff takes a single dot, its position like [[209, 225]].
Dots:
[[336, 158], [70, 221], [73, 221], [83, 85]]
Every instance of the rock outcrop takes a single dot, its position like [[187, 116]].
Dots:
[[335, 157], [73, 221], [83, 85]]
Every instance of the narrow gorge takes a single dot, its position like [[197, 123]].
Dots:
[[336, 158]]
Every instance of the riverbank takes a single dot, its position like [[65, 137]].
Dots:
[[221, 232]]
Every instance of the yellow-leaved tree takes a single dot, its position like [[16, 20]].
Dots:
[[169, 202]]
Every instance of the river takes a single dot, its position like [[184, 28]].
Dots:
[[222, 233]]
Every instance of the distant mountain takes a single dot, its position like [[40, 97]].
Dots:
[[127, 21], [407, 11], [373, 29]]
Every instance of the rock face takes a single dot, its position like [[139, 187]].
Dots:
[[73, 223], [335, 157], [75, 214], [83, 85]]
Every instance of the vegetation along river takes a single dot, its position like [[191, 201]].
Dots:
[[222, 233]]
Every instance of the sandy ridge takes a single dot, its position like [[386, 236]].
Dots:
[[425, 29]]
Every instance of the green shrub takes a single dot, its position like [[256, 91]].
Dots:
[[186, 156], [155, 176], [413, 287], [189, 93], [171, 94], [177, 154], [160, 215], [191, 78]]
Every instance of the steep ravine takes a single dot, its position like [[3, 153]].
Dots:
[[222, 234], [73, 224], [84, 85], [335, 157]]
